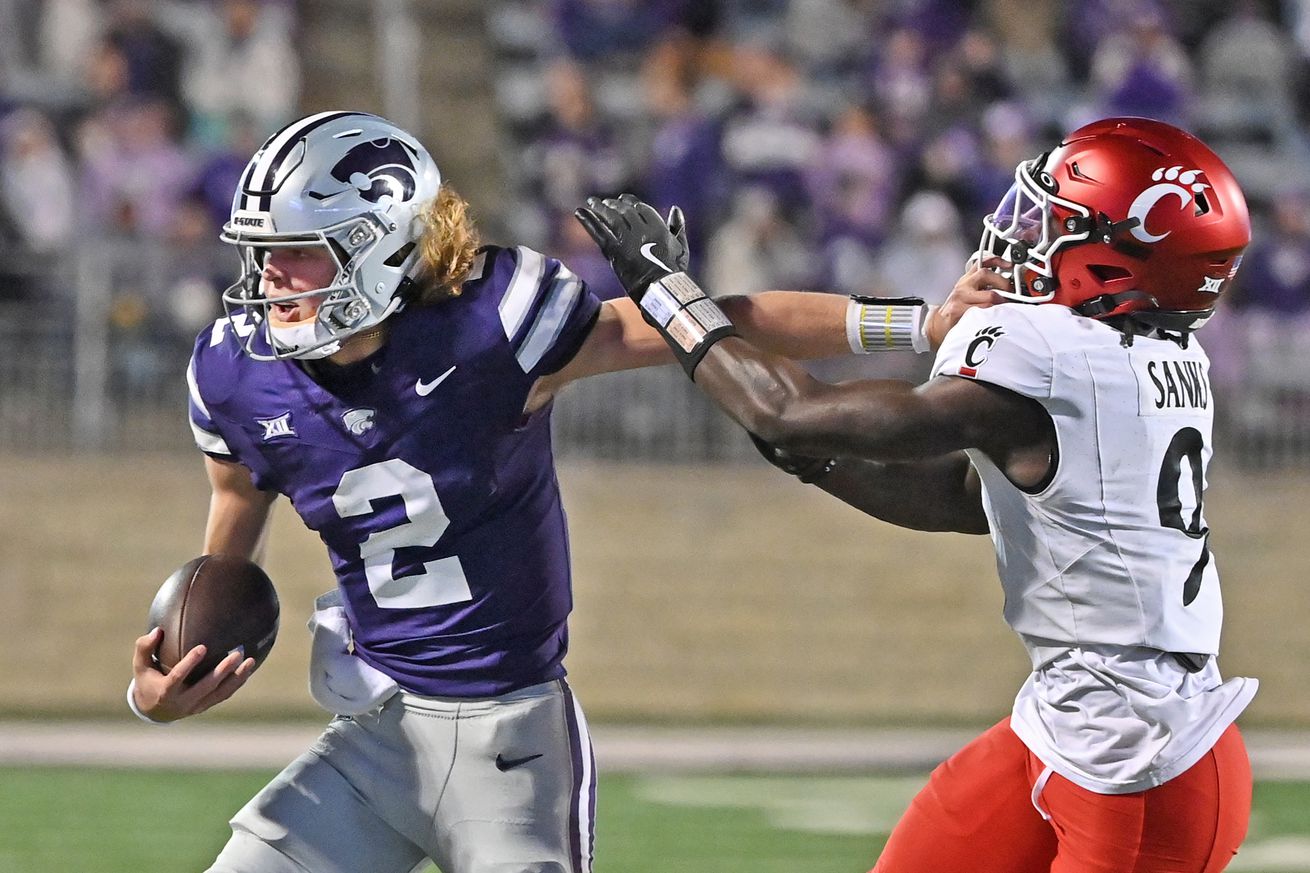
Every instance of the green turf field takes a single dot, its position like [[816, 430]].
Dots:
[[120, 821]]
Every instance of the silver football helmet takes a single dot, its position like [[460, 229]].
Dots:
[[350, 182]]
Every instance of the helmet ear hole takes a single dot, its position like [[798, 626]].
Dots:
[[398, 258]]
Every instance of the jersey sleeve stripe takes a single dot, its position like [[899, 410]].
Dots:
[[194, 390], [523, 291], [202, 425], [563, 297], [209, 443]]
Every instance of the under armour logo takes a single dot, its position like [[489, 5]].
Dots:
[[277, 427]]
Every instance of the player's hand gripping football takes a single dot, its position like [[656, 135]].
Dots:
[[166, 697], [640, 245]]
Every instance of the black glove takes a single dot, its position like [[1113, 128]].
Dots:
[[640, 246], [650, 257], [803, 467]]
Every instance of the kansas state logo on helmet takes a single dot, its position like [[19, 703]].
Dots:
[[378, 169]]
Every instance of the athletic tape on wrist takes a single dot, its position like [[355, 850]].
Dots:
[[136, 710], [688, 319], [886, 324]]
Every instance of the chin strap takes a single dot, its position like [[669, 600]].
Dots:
[[1100, 307]]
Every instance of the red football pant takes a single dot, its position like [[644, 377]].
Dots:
[[976, 815]]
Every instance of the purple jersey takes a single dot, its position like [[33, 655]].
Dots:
[[435, 496]]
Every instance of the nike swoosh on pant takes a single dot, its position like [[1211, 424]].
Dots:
[[503, 763]]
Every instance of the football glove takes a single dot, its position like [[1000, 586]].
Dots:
[[650, 258], [640, 246]]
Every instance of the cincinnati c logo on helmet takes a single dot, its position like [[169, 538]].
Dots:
[[381, 168], [1172, 181]]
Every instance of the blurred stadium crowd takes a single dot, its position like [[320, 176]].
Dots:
[[854, 146], [125, 124], [847, 145]]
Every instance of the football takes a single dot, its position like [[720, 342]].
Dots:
[[220, 601]]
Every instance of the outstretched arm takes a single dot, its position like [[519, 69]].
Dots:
[[771, 397], [803, 325]]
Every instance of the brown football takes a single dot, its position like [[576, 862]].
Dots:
[[220, 601]]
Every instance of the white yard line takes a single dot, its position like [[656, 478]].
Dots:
[[1274, 754]]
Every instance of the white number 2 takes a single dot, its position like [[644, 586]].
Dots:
[[442, 581]]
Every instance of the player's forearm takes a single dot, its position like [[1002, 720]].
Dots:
[[940, 494], [779, 402], [237, 527], [238, 511], [796, 324]]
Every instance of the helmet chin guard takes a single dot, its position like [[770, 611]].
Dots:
[[351, 183]]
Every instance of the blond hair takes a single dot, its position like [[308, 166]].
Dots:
[[446, 248]]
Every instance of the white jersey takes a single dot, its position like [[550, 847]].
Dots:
[[1106, 568]]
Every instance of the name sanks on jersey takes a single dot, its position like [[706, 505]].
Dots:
[[1177, 385]]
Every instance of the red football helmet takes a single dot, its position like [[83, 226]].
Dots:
[[1127, 215]]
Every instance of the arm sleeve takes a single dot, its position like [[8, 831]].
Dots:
[[546, 311], [1000, 345]]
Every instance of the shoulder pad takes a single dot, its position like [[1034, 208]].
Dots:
[[1004, 345]]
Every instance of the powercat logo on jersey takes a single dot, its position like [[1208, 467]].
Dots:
[[1170, 182], [357, 421], [378, 169], [976, 354]]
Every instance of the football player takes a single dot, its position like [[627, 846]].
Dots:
[[394, 379], [1075, 426]]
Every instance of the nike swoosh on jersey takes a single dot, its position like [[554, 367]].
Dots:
[[648, 254], [426, 388], [503, 763]]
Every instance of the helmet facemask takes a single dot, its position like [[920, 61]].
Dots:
[[346, 307], [1030, 226]]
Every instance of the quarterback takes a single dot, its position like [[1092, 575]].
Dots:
[[394, 379], [1074, 425]]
